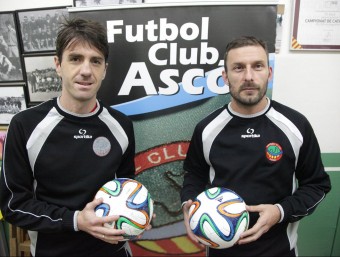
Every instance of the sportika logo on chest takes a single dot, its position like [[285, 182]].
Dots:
[[250, 134], [82, 135]]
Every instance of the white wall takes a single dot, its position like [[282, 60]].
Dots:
[[307, 81], [11, 5]]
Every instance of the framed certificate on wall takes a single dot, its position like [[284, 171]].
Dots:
[[316, 25]]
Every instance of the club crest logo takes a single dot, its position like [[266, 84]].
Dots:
[[273, 152], [160, 169], [101, 146]]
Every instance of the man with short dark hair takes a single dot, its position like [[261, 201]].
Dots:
[[59, 153], [264, 151]]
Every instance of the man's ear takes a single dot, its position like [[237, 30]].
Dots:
[[57, 65], [270, 76], [106, 64], [225, 77]]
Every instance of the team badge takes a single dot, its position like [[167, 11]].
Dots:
[[101, 146], [273, 152]]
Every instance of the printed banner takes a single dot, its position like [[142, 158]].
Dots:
[[164, 72]]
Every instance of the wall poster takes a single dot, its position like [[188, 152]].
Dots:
[[316, 25], [43, 81], [12, 101], [39, 28], [10, 63], [164, 72]]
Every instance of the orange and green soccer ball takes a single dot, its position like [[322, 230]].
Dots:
[[217, 217], [130, 200]]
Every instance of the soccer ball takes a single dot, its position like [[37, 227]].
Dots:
[[217, 217], [130, 200]]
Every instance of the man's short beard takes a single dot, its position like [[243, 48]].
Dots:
[[249, 101]]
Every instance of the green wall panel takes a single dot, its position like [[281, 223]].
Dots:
[[336, 245], [331, 159], [319, 233]]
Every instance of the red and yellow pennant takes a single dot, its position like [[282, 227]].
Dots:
[[181, 245]]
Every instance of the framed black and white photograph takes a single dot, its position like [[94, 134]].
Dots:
[[43, 82], [39, 28], [10, 61], [12, 101], [84, 3]]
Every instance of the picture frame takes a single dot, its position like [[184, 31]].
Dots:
[[87, 3], [12, 101], [315, 26], [39, 27], [43, 82], [10, 56]]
